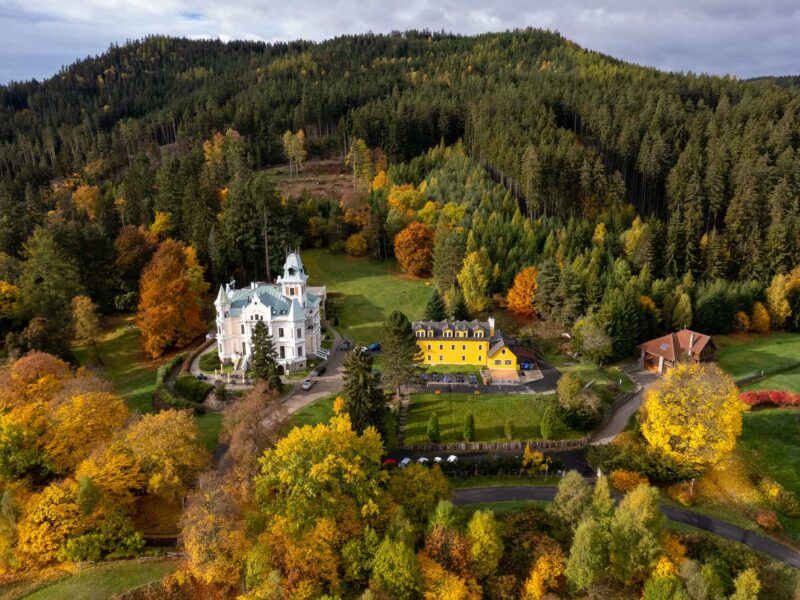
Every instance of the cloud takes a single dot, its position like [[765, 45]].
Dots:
[[739, 37]]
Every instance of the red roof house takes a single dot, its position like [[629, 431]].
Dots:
[[662, 353]]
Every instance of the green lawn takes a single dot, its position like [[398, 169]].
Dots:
[[465, 369], [365, 291], [490, 412], [771, 440], [106, 580], [499, 509], [124, 362], [588, 371], [785, 380], [744, 354], [210, 425]]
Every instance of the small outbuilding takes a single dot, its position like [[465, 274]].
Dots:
[[665, 352]]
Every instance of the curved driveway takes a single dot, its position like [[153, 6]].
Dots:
[[723, 529]]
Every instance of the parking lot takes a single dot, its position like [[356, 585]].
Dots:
[[449, 382]]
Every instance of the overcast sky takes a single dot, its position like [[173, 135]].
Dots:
[[740, 37]]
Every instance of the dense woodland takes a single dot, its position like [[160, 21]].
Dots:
[[516, 170]]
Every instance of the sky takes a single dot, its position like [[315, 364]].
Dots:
[[745, 38]]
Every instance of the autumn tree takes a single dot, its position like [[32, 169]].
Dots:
[[86, 322], [588, 556], [474, 280], [264, 358], [171, 299], [356, 245], [134, 248], [636, 534], [546, 574], [573, 498], [400, 353], [694, 416], [168, 450], [213, 531], [395, 570], [522, 294], [413, 247], [486, 545], [364, 401], [359, 159], [294, 149], [418, 489]]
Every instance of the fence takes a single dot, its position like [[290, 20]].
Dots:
[[764, 373], [493, 446]]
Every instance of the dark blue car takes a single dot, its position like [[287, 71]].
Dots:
[[374, 347]]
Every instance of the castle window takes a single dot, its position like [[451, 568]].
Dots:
[[440, 358], [429, 358], [452, 346], [282, 352], [430, 332], [448, 333], [463, 346], [479, 334], [429, 346], [441, 347], [280, 332], [299, 332], [479, 358], [299, 351], [242, 328]]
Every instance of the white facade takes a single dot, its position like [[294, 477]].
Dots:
[[291, 310]]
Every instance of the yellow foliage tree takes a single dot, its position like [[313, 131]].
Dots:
[[522, 294], [440, 584], [379, 181], [115, 470], [162, 225], [759, 320], [356, 245], [85, 198], [474, 280], [51, 516], [8, 299], [694, 416], [779, 309], [547, 574], [167, 448], [79, 423]]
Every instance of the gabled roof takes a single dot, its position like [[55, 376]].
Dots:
[[673, 345], [268, 294]]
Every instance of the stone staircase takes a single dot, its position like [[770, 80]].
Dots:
[[402, 419]]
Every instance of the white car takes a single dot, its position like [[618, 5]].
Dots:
[[452, 458], [437, 459], [307, 383], [422, 460], [404, 463]]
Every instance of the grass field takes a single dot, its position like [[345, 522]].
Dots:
[[490, 412], [743, 354], [105, 580], [124, 363], [771, 441], [365, 292], [587, 371], [786, 380]]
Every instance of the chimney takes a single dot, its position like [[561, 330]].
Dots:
[[491, 326], [691, 342]]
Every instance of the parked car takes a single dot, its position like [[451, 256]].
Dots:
[[345, 345], [447, 378], [307, 384], [422, 460], [424, 376], [404, 463], [436, 377], [374, 347], [472, 379], [459, 378], [320, 370], [526, 366], [201, 377], [452, 458], [437, 459]]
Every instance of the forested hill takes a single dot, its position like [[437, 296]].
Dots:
[[713, 161]]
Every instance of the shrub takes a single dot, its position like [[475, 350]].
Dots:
[[625, 481], [767, 519], [433, 428], [582, 411], [682, 493], [779, 498], [759, 320], [547, 423], [209, 361], [510, 430], [741, 322], [469, 428], [356, 245], [191, 389], [776, 397]]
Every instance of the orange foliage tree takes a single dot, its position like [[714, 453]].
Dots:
[[413, 247], [521, 295], [171, 298]]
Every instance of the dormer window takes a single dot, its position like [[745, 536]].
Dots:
[[430, 332], [448, 333], [479, 333], [420, 333]]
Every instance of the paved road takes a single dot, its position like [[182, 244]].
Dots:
[[723, 529], [623, 414]]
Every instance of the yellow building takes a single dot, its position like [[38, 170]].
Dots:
[[464, 343]]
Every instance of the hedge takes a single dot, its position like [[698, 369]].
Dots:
[[776, 397], [194, 390]]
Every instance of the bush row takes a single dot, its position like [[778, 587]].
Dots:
[[776, 397], [194, 390]]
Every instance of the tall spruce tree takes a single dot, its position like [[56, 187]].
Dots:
[[400, 352], [435, 309], [364, 401], [448, 255], [621, 316], [264, 361]]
